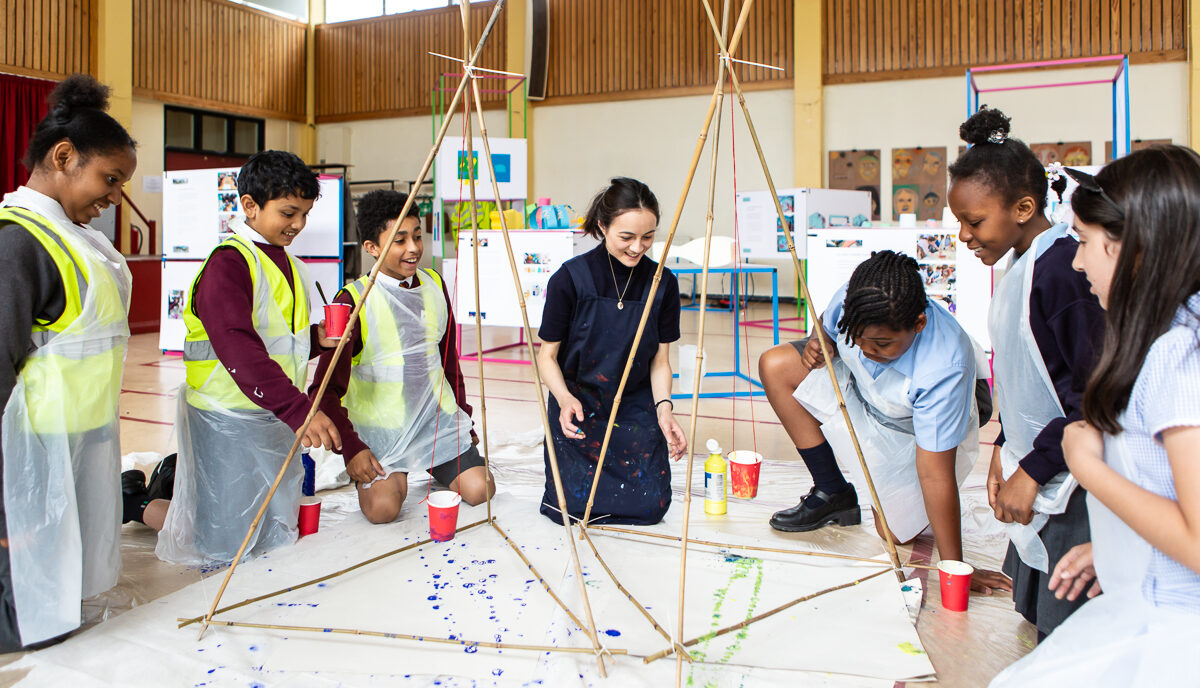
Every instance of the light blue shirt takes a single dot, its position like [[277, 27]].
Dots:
[[941, 365], [1166, 395]]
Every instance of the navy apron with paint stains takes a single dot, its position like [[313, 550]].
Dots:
[[635, 484]]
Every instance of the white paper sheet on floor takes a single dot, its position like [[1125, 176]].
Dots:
[[476, 588]]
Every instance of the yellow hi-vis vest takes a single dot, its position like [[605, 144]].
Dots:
[[398, 397], [86, 376], [280, 319]]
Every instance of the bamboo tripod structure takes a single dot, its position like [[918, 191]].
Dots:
[[471, 55], [725, 66]]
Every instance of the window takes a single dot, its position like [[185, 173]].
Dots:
[[349, 10], [185, 129]]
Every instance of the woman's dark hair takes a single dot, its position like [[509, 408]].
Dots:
[[379, 207], [1150, 202], [1003, 164], [885, 289], [620, 196], [272, 174], [77, 114]]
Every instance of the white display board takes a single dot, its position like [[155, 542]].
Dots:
[[954, 277], [539, 253], [451, 174], [761, 232], [177, 280], [198, 206]]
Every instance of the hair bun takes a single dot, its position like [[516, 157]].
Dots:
[[78, 91], [982, 126]]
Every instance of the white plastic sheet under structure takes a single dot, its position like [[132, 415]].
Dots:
[[475, 588]]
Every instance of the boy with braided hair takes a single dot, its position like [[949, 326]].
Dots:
[[907, 372]]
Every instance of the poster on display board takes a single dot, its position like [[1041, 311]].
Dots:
[[539, 253], [919, 182], [177, 281], [451, 174], [198, 206], [856, 170], [1058, 209], [761, 233], [954, 278], [1070, 153]]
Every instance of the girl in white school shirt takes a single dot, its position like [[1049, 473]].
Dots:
[[1137, 452]]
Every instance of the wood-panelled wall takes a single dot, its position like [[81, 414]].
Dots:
[[381, 67], [616, 47], [47, 38], [867, 40], [218, 55]]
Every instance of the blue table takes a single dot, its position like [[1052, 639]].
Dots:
[[739, 272]]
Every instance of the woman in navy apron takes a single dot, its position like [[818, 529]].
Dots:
[[593, 306]]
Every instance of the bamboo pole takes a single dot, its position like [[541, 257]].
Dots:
[[322, 579], [419, 638], [536, 574], [698, 371], [637, 337], [465, 11], [590, 629], [758, 548], [316, 403], [742, 624], [640, 607], [815, 317]]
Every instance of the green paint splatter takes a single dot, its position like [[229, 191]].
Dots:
[[742, 567], [909, 648]]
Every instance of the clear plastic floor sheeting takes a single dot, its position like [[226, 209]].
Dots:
[[475, 588]]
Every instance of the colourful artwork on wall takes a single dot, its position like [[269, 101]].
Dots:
[[919, 182], [856, 170]]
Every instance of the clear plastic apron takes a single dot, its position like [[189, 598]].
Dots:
[[228, 459], [881, 413], [62, 484], [1025, 395], [398, 398]]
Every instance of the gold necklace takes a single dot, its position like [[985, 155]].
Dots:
[[621, 298]]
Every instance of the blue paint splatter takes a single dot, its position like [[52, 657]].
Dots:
[[612, 632]]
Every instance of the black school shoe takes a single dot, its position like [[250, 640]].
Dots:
[[133, 492], [162, 480], [841, 509]]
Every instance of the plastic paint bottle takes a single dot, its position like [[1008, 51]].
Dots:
[[715, 469]]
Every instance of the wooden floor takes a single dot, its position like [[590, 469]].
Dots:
[[967, 649]]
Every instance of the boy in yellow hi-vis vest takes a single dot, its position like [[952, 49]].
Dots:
[[63, 330], [400, 402], [246, 352]]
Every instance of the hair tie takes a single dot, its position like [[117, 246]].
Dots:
[[1054, 171], [997, 136]]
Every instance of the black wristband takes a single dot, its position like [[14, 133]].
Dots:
[[664, 401]]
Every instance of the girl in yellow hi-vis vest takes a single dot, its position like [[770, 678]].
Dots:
[[63, 330], [402, 401], [246, 353]]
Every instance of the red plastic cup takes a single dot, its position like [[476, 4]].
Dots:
[[443, 515], [744, 469], [955, 577], [310, 515], [337, 316]]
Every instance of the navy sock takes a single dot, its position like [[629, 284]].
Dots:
[[824, 468]]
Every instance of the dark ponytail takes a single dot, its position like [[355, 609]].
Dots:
[[1004, 164], [622, 195], [77, 114]]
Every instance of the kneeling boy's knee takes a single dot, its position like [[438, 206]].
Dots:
[[381, 513]]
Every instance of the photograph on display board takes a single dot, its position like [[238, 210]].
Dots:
[[856, 170], [227, 202], [919, 182], [1135, 145], [1070, 153], [936, 247], [227, 181], [939, 277], [175, 304], [947, 300], [843, 243]]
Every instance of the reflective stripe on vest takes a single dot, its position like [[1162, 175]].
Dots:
[[204, 370], [382, 332], [70, 267]]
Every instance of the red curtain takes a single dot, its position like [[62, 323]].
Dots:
[[22, 106]]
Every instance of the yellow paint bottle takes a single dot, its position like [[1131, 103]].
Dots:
[[715, 471]]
